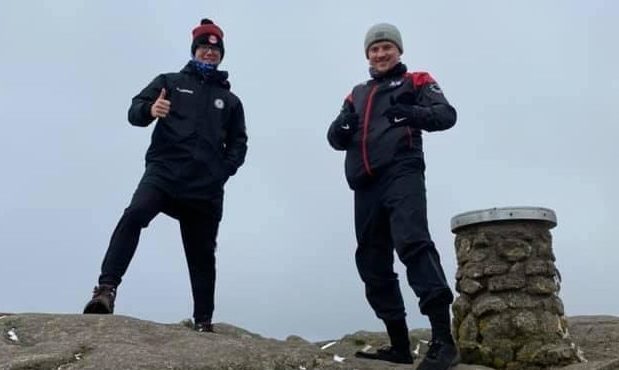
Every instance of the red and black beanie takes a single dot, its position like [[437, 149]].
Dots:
[[207, 33]]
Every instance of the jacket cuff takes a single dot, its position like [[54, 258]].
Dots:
[[146, 111]]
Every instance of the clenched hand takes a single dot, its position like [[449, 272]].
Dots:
[[402, 112], [161, 106]]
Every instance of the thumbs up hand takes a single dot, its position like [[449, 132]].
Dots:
[[161, 106]]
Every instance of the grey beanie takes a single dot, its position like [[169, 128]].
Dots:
[[383, 32]]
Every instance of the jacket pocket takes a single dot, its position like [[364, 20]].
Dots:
[[181, 118]]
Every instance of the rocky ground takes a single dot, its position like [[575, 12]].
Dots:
[[63, 342]]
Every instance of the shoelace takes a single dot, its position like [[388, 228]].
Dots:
[[101, 290]]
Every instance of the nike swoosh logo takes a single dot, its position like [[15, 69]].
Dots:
[[398, 119], [345, 126]]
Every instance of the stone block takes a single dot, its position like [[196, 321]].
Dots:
[[461, 307], [520, 300], [496, 269], [469, 286], [486, 304], [506, 282], [468, 330], [540, 267], [543, 249], [542, 285], [514, 250], [553, 304], [463, 249], [526, 323], [473, 270], [494, 327]]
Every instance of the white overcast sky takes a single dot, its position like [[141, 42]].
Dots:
[[535, 83]]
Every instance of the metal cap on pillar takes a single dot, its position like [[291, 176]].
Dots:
[[504, 214]]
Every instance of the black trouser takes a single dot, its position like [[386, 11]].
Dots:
[[391, 214], [199, 222]]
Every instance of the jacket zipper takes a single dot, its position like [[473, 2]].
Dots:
[[410, 137], [366, 123]]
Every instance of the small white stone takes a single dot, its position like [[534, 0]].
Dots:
[[12, 335], [366, 348], [416, 351], [579, 353], [327, 345], [337, 358]]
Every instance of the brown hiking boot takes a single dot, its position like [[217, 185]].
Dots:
[[102, 301]]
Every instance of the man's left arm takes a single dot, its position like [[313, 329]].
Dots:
[[427, 110], [236, 139]]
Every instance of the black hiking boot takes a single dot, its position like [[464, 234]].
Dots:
[[203, 327], [441, 356], [102, 301], [388, 354]]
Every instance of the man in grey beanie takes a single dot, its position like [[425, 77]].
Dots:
[[380, 128]]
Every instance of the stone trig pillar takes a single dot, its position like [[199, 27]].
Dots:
[[509, 314]]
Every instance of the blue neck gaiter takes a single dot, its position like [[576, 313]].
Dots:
[[205, 69]]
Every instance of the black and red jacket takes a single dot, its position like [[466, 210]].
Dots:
[[377, 144]]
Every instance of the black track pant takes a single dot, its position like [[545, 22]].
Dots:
[[199, 222], [391, 214]]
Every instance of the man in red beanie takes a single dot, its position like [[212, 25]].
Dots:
[[379, 127], [198, 142]]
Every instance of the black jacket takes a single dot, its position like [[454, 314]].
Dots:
[[201, 142], [377, 144]]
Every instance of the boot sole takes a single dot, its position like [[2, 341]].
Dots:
[[96, 308], [375, 357], [454, 363]]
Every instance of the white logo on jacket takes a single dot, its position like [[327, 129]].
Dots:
[[435, 88], [395, 83], [219, 103], [186, 91]]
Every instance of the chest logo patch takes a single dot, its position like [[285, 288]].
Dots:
[[435, 88], [185, 91], [219, 103], [395, 83]]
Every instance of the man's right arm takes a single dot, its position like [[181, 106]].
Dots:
[[344, 127], [140, 109]]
